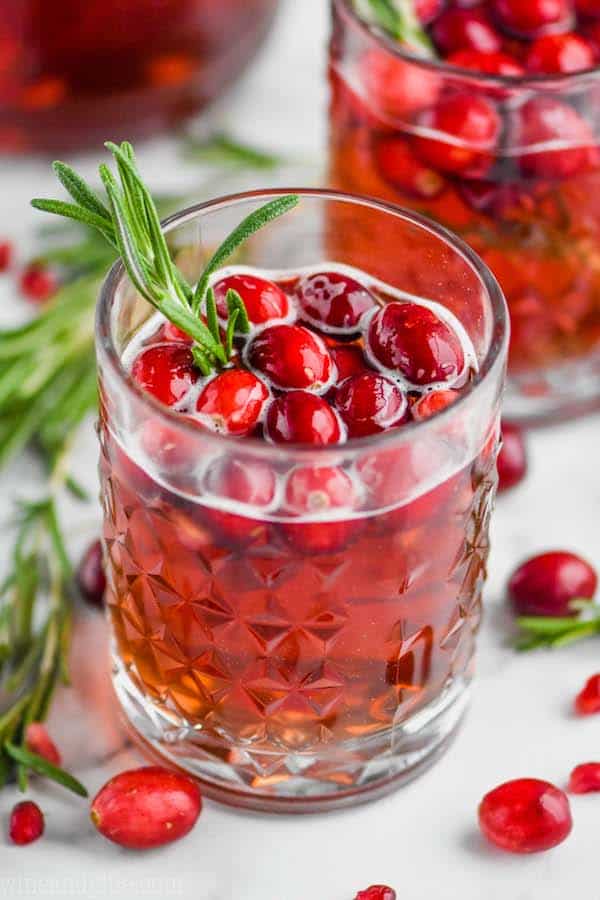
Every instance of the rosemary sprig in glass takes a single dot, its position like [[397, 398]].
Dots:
[[398, 19]]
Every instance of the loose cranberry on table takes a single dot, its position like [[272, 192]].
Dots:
[[263, 299], [543, 121], [585, 778], [530, 18], [38, 283], [369, 403], [291, 356], [6, 255], [525, 816], [299, 417], [587, 701], [37, 740], [333, 301], [233, 402], [512, 458], [545, 585], [556, 53], [377, 892], [166, 371], [466, 29], [26, 823], [91, 579]]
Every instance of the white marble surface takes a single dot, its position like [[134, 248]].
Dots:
[[422, 840]]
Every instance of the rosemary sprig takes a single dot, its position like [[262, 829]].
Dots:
[[398, 19], [547, 631], [129, 221]]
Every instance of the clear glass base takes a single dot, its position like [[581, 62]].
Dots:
[[328, 777], [551, 395]]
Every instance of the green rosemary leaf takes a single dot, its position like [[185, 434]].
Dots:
[[5, 768], [231, 323], [79, 190], [251, 224], [127, 248], [201, 360], [545, 625], [41, 766], [399, 19], [235, 303], [71, 211], [194, 326], [577, 633], [211, 315], [223, 150]]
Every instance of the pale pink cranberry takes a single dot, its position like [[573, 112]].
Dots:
[[166, 371], [334, 301], [291, 356], [233, 402], [585, 778], [38, 741], [545, 585], [264, 300], [370, 402], [525, 816], [299, 417]]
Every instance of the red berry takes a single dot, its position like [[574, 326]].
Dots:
[[146, 807], [263, 299], [469, 129], [512, 458], [533, 17], [170, 332], [395, 88], [37, 740], [166, 371], [369, 403], [411, 339], [585, 778], [247, 482], [546, 121], [546, 584], [587, 701], [588, 9], [26, 823], [559, 53], [592, 35], [430, 404], [6, 255], [38, 283], [401, 168], [428, 10], [302, 418], [376, 892], [525, 816], [91, 579], [465, 29], [318, 491], [233, 402], [488, 63], [291, 356], [171, 449], [333, 301], [349, 360]]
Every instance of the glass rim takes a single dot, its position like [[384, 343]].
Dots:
[[109, 357], [440, 66]]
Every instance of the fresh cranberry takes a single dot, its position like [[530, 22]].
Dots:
[[543, 120], [334, 301], [6, 255], [26, 823], [37, 740], [525, 816], [166, 371], [512, 458], [410, 339], [592, 36], [489, 63], [245, 481], [233, 402], [263, 299], [533, 17], [377, 892], [585, 778], [468, 127], [396, 88], [587, 701], [298, 417], [546, 584], [91, 579], [465, 29], [317, 491], [559, 53], [349, 360], [291, 356], [170, 332], [146, 807], [401, 168], [428, 10], [168, 446], [369, 403], [38, 283], [587, 9], [430, 404]]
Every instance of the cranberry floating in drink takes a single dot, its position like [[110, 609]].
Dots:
[[484, 118], [294, 583]]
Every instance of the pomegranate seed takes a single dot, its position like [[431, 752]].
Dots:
[[26, 823], [376, 892], [559, 53], [91, 579], [349, 360], [546, 584], [317, 491], [166, 371], [233, 402], [302, 418], [334, 301], [291, 356], [395, 88], [469, 129], [6, 255], [488, 63], [512, 458], [428, 10], [585, 778], [400, 167], [430, 404], [146, 807], [249, 482], [465, 29], [587, 701], [533, 17], [369, 403], [410, 339], [544, 120], [170, 332], [263, 299], [525, 816], [37, 740], [38, 283]]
